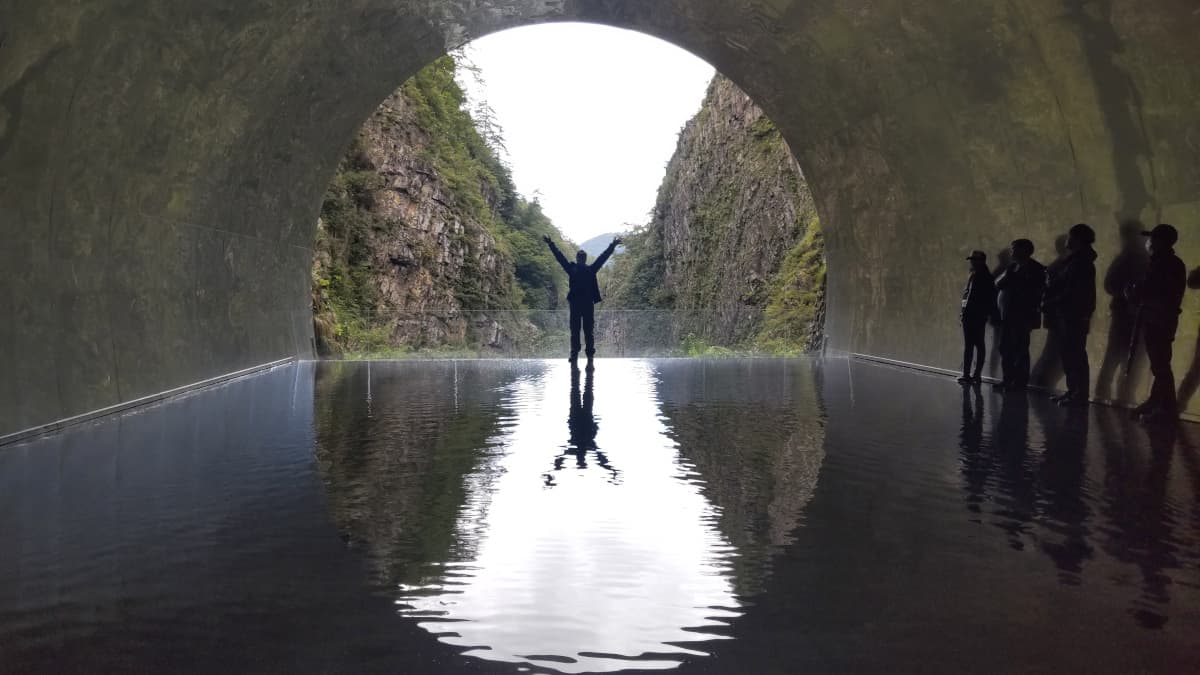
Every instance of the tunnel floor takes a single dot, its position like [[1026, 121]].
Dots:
[[715, 516]]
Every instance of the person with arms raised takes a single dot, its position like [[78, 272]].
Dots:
[[583, 295]]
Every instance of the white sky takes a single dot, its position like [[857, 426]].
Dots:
[[591, 115]]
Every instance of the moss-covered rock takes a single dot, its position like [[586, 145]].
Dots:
[[423, 241], [733, 245]]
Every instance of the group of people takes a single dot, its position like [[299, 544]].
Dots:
[[1027, 295]]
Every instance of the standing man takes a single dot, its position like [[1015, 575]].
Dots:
[[1071, 301], [1020, 286], [583, 295], [1159, 297], [978, 305]]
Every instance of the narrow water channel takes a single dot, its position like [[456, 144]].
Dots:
[[728, 516]]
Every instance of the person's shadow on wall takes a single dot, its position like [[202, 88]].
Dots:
[[1116, 379], [1003, 260], [1047, 370]]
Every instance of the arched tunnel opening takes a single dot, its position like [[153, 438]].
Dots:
[[185, 485], [195, 160], [427, 245]]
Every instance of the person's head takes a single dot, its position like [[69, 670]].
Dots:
[[1022, 250], [978, 260], [1080, 236], [1161, 238], [581, 257]]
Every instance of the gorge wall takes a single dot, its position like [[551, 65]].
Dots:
[[423, 241], [734, 245]]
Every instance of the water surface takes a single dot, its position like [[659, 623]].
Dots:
[[766, 516]]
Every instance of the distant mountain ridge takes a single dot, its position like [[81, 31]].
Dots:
[[596, 245]]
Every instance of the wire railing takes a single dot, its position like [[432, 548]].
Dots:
[[547, 334]]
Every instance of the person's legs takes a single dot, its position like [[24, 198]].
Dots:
[[968, 349], [576, 321], [1075, 361], [1006, 353], [977, 340], [1020, 357], [589, 327], [1158, 348]]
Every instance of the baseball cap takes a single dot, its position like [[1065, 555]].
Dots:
[[1164, 233]]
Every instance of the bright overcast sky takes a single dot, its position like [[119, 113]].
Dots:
[[591, 115]]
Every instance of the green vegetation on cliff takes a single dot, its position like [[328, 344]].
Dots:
[[422, 224], [796, 296], [733, 245]]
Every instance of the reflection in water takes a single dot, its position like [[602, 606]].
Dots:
[[583, 427], [555, 557], [754, 432], [1046, 498], [590, 574], [272, 524]]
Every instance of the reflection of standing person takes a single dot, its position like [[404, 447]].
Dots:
[[1064, 513], [1020, 287], [582, 423], [1160, 299], [1071, 301], [583, 295], [978, 305]]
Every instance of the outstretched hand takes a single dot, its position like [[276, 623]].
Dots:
[[617, 241], [546, 238]]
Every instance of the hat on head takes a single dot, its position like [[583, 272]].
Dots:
[[977, 255], [1164, 233], [1083, 232]]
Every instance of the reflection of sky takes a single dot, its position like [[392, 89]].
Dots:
[[590, 569]]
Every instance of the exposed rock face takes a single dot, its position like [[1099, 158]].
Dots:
[[732, 207], [406, 253], [418, 239]]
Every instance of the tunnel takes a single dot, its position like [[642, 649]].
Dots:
[[162, 163]]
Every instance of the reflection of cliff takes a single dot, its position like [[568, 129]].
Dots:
[[757, 443], [395, 468]]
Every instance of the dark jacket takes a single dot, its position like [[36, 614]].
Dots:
[[1160, 293], [978, 298], [584, 287], [1020, 294], [1071, 290]]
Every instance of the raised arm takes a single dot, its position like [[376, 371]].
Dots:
[[562, 260], [603, 258]]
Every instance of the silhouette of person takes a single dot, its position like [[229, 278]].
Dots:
[[583, 427], [1020, 289], [1159, 297], [583, 295], [1127, 268], [1070, 302], [978, 305]]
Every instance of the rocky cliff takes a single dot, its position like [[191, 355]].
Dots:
[[734, 244], [422, 240]]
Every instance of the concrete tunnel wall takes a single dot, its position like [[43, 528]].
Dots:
[[162, 161]]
